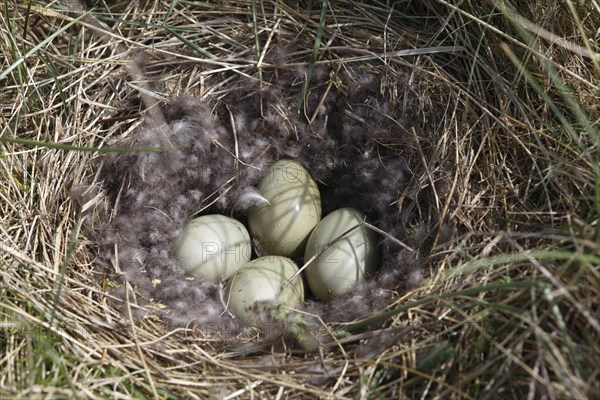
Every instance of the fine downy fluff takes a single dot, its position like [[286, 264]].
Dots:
[[360, 148]]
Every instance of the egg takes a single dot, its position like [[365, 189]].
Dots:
[[261, 280], [281, 225], [213, 246], [347, 261]]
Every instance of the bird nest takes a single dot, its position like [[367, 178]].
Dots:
[[368, 133], [179, 109]]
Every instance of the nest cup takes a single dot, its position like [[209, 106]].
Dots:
[[356, 128]]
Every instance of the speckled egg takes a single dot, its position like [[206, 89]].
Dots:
[[261, 280], [347, 261], [281, 226], [213, 246]]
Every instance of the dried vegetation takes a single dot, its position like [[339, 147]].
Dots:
[[472, 132]]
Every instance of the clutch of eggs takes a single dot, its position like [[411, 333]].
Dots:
[[286, 223]]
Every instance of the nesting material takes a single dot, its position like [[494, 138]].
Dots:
[[353, 138]]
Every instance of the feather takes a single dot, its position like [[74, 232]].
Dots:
[[248, 197], [348, 148]]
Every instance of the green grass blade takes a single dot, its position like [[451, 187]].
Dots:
[[26, 23], [54, 73], [67, 147], [191, 44], [315, 53], [255, 29], [489, 262], [170, 11], [381, 317]]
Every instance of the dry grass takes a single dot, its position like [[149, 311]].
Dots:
[[510, 306]]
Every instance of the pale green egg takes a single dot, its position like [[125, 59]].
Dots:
[[213, 246], [347, 261], [282, 225], [261, 280]]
